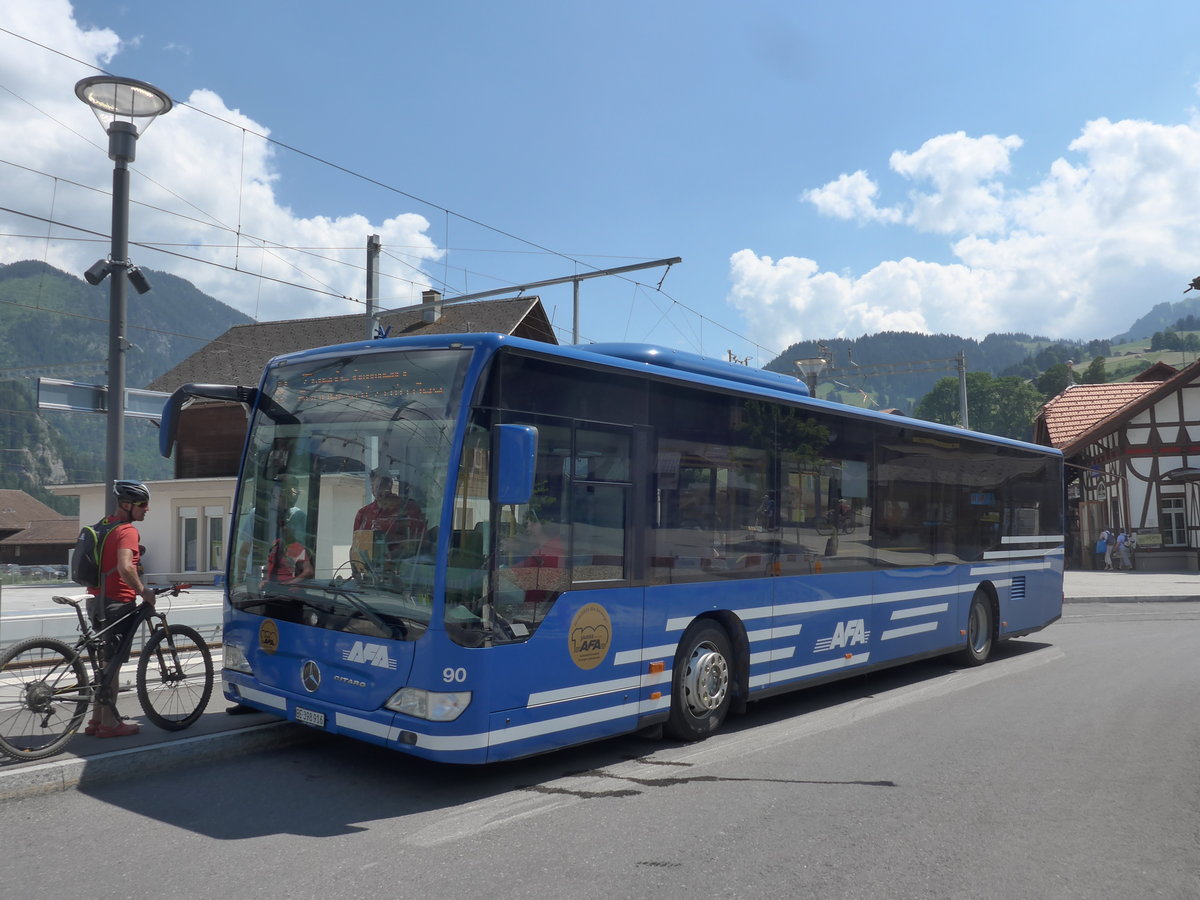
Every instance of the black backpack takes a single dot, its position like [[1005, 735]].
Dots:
[[89, 549]]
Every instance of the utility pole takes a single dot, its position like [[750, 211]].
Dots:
[[961, 360], [120, 105], [373, 248]]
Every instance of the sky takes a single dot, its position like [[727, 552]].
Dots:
[[823, 169]]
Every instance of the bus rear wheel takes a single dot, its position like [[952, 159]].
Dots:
[[981, 628], [701, 683]]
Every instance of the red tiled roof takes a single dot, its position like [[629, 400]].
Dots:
[[1082, 406]]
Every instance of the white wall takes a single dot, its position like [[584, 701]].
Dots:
[[160, 532]]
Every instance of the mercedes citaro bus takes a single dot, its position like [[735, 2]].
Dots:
[[474, 547]]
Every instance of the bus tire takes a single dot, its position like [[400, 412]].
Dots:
[[981, 631], [701, 682]]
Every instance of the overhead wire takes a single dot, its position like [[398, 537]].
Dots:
[[446, 211]]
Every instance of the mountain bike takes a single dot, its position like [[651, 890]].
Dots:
[[45, 688], [843, 521]]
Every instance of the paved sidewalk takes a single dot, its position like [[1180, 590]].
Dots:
[[88, 761], [1125, 587]]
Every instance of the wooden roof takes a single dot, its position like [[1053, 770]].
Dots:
[[63, 530], [1084, 413], [239, 355], [18, 509]]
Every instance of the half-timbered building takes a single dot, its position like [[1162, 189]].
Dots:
[[1133, 454]]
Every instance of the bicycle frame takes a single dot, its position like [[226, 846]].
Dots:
[[47, 687], [106, 671]]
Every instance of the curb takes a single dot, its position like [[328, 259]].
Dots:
[[1155, 598], [70, 772]]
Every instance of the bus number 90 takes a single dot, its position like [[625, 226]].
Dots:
[[454, 676]]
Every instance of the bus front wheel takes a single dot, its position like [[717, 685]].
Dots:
[[700, 682], [981, 628]]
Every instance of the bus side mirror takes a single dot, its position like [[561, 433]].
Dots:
[[173, 408], [516, 459]]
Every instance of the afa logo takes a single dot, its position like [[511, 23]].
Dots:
[[590, 637], [847, 634], [268, 636], [369, 654]]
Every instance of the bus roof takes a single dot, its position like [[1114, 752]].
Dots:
[[663, 362]]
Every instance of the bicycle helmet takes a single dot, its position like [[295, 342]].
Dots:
[[131, 492]]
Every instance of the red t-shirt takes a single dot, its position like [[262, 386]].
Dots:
[[283, 567], [124, 536], [401, 521]]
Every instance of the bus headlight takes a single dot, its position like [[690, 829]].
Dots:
[[235, 659], [432, 705]]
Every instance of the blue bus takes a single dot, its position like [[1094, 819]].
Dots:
[[475, 547]]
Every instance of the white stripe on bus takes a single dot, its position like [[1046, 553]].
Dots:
[[908, 630], [829, 665]]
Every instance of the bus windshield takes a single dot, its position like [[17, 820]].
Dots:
[[342, 487]]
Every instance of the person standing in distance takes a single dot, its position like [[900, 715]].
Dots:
[[120, 586]]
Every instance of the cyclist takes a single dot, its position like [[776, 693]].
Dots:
[[115, 599]]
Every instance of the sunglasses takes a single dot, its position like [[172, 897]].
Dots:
[[141, 504]]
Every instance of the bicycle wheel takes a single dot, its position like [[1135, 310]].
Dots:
[[823, 525], [44, 694], [174, 677]]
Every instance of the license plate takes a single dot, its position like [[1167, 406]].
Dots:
[[309, 717]]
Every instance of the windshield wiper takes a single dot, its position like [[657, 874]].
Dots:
[[365, 608]]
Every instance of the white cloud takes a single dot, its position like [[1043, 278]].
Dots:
[[1110, 230], [197, 182], [851, 197], [959, 168]]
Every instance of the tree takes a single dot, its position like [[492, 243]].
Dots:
[[1003, 406], [1054, 380], [1166, 340], [1095, 373]]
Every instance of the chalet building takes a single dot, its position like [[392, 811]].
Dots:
[[1133, 457], [33, 534], [189, 517]]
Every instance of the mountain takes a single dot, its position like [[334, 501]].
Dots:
[[56, 325], [1161, 317], [896, 369]]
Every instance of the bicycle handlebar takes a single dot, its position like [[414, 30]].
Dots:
[[174, 590]]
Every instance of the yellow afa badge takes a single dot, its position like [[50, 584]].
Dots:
[[591, 636], [268, 636]]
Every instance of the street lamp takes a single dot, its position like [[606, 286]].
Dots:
[[120, 104], [810, 368]]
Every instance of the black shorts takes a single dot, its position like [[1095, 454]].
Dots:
[[122, 614]]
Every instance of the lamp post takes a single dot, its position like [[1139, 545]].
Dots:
[[120, 104], [811, 368]]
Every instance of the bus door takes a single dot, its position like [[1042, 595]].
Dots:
[[565, 592]]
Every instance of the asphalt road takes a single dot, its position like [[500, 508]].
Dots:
[[1068, 767]]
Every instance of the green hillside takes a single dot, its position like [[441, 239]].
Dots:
[[56, 323]]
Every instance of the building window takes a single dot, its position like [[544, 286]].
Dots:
[[201, 538], [189, 537], [1171, 522], [214, 528]]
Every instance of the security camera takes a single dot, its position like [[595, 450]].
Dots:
[[138, 280], [96, 273]]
